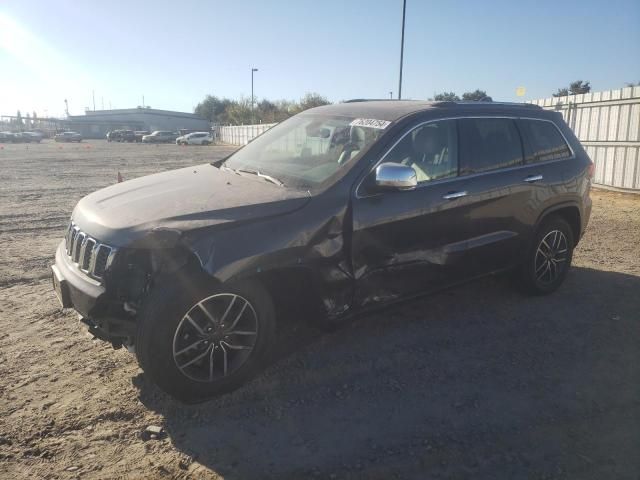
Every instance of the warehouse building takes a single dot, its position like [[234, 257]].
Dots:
[[96, 124]]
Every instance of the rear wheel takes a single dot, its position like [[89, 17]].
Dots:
[[196, 339], [549, 257]]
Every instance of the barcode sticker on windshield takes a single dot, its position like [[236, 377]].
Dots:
[[370, 122]]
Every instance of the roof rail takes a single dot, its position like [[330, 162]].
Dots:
[[356, 100], [448, 103], [484, 102]]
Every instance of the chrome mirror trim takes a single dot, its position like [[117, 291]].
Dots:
[[396, 176]]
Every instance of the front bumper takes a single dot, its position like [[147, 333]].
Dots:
[[75, 290]]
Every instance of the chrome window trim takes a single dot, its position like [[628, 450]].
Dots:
[[472, 175]]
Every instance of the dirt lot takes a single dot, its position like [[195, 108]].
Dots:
[[476, 382]]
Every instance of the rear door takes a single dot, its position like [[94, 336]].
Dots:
[[492, 159], [547, 168]]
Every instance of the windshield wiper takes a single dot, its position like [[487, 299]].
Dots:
[[239, 171], [269, 178]]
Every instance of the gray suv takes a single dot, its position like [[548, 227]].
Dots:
[[160, 136], [335, 211]]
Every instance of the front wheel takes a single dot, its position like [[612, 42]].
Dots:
[[196, 339], [549, 257]]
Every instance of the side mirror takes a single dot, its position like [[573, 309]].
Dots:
[[394, 176]]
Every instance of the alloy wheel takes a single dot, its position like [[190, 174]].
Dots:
[[215, 337], [551, 257]]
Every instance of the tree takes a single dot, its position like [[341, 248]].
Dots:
[[477, 96], [213, 108], [267, 112], [446, 97], [575, 88], [311, 100], [578, 87], [238, 112]]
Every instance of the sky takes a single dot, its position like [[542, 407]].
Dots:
[[175, 53]]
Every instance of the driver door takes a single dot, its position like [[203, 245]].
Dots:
[[409, 242]]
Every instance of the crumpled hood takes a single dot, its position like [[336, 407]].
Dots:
[[182, 200]]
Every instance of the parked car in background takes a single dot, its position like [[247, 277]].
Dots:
[[160, 136], [8, 137], [141, 133], [31, 137], [68, 137], [112, 135], [195, 138], [127, 136], [121, 136]]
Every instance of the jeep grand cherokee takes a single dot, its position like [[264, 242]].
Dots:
[[349, 206]]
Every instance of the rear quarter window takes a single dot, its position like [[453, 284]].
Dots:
[[543, 141]]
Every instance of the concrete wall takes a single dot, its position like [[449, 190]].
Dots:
[[608, 126]]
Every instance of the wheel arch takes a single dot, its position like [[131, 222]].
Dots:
[[290, 286], [570, 212]]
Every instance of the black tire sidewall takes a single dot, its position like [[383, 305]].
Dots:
[[160, 316], [530, 282]]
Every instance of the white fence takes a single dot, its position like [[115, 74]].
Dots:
[[608, 126], [242, 134]]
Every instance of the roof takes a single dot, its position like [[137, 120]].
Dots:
[[136, 111], [393, 110]]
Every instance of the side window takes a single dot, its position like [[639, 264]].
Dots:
[[544, 141], [488, 144], [430, 149]]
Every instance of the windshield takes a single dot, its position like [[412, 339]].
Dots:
[[306, 150]]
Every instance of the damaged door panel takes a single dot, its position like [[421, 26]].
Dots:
[[407, 242]]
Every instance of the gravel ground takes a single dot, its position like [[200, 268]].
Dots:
[[475, 382]]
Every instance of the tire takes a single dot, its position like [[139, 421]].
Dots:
[[205, 143], [549, 257], [167, 336]]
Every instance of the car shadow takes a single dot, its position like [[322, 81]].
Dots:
[[477, 381]]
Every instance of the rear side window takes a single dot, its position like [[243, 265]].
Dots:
[[543, 141], [488, 144]]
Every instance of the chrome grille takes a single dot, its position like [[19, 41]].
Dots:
[[89, 255]]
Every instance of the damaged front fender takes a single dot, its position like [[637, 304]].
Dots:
[[314, 239]]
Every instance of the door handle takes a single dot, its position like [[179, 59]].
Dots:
[[452, 195], [533, 178]]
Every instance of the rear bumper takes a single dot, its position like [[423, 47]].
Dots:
[[586, 215], [77, 291]]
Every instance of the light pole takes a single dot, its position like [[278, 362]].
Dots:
[[252, 98], [404, 9]]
